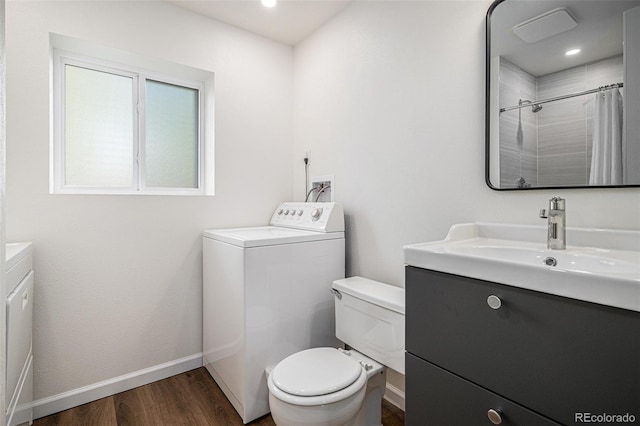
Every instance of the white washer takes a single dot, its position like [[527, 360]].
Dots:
[[266, 295]]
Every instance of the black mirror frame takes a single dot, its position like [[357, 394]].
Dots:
[[487, 122]]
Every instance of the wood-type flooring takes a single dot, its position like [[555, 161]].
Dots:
[[191, 398]]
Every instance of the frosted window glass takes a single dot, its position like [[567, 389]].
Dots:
[[98, 128], [171, 136]]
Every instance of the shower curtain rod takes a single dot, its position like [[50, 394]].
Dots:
[[558, 98]]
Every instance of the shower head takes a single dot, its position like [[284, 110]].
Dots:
[[534, 107]]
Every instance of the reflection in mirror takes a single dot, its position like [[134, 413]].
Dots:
[[563, 94]]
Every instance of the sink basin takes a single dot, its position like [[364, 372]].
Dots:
[[586, 260], [603, 266]]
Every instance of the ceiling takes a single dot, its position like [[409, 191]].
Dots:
[[598, 34], [599, 26], [289, 22]]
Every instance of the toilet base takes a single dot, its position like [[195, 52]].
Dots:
[[370, 413], [340, 413], [367, 402]]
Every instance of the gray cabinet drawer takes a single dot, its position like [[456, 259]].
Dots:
[[436, 397], [554, 355]]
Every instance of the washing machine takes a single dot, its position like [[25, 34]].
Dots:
[[266, 295]]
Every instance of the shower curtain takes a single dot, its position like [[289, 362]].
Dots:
[[606, 155]]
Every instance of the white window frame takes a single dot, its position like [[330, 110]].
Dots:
[[60, 60]]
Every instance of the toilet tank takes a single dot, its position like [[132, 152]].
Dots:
[[370, 319]]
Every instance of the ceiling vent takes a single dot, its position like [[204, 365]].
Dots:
[[547, 25]]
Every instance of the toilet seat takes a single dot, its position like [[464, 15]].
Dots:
[[316, 376], [315, 372]]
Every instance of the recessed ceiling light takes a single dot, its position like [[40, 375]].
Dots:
[[268, 3], [572, 52]]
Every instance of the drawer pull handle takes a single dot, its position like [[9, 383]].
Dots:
[[495, 416], [494, 302]]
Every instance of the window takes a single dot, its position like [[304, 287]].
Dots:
[[120, 129]]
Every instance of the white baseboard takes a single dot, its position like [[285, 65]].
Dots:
[[394, 396], [73, 398]]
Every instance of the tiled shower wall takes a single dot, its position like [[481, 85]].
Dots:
[[517, 160], [565, 127], [562, 136]]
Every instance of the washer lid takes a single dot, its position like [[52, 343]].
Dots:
[[315, 372], [260, 236]]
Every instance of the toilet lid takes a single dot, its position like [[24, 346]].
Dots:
[[315, 372]]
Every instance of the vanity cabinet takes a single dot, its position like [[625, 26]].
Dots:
[[18, 341], [536, 359]]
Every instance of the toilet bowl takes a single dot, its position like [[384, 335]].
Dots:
[[322, 386], [328, 386]]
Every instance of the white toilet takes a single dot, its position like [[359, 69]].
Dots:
[[328, 386]]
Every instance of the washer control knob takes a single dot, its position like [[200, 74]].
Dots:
[[286, 212], [280, 211], [293, 212], [299, 212], [316, 213]]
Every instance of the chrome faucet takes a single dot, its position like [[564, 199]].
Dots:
[[556, 234]]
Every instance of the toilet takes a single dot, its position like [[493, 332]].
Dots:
[[335, 386]]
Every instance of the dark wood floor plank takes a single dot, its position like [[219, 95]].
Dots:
[[192, 398], [96, 413], [137, 407], [176, 407], [391, 415], [211, 402], [210, 399]]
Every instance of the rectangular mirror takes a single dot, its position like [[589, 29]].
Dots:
[[563, 94]]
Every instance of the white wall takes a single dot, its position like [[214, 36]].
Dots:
[[389, 97], [119, 278]]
